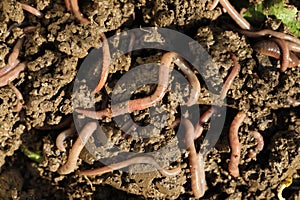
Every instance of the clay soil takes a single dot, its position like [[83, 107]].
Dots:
[[54, 53]]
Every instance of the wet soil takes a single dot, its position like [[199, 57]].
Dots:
[[54, 53]]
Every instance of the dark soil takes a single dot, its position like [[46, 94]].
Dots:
[[54, 53]]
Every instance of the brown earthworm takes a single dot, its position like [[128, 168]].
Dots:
[[142, 103], [105, 64], [13, 57], [194, 82], [241, 21], [265, 32], [293, 46], [12, 74], [272, 48], [75, 9], [293, 101], [131, 161], [19, 96], [234, 72], [203, 119], [260, 143], [198, 182], [68, 5], [82, 139], [235, 144], [63, 136], [31, 10]]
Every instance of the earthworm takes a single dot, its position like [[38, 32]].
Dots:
[[194, 82], [235, 144], [131, 161], [31, 10], [241, 21], [234, 72], [75, 9], [196, 163], [63, 136], [12, 74], [264, 32], [105, 63], [142, 103], [13, 57], [272, 48], [19, 96], [260, 143], [8, 68], [203, 119], [68, 5], [293, 101], [8, 32], [293, 47], [82, 139]]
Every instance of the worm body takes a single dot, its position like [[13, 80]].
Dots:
[[105, 64], [63, 136], [203, 119], [31, 10], [235, 144], [82, 139], [272, 49], [13, 57], [196, 163], [12, 74], [260, 143], [234, 72], [73, 5], [131, 161]]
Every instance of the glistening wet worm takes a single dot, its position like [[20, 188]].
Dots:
[[12, 74], [260, 143], [63, 136], [105, 64], [272, 48], [233, 165], [13, 57], [242, 22], [131, 161], [234, 72], [196, 162], [31, 10], [82, 139], [142, 103], [203, 119]]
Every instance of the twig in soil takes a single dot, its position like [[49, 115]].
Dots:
[[235, 144], [234, 72], [131, 161], [73, 6], [260, 143], [146, 102], [105, 64], [32, 10], [63, 136], [82, 139], [241, 21], [272, 48]]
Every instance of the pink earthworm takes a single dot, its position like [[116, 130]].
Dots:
[[32, 10], [260, 143], [272, 48], [293, 101], [68, 5], [105, 64], [12, 74], [19, 96], [82, 139], [235, 144], [203, 119], [73, 4], [241, 21], [13, 57], [196, 162], [194, 82], [234, 72], [8, 67], [63, 136], [131, 161], [265, 32], [142, 103]]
